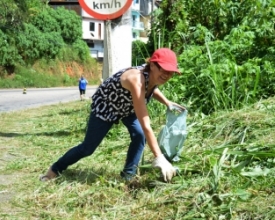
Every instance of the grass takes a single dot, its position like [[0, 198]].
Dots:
[[52, 73], [227, 168]]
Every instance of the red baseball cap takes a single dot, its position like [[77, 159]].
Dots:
[[166, 58]]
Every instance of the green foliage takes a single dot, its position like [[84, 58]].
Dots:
[[12, 14], [34, 44], [78, 52], [168, 21], [226, 51], [8, 52], [46, 22], [81, 50], [30, 30], [139, 53], [69, 23]]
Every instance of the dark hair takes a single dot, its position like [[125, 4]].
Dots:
[[147, 65], [158, 66]]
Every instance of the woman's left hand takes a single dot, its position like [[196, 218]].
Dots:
[[173, 104]]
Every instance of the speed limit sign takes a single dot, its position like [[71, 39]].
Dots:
[[105, 9]]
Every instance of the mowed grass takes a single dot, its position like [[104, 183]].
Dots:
[[226, 170]]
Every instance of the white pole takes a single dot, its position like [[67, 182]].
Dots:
[[117, 44], [107, 59]]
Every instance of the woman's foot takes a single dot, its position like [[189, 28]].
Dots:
[[48, 176]]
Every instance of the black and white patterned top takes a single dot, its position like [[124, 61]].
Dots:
[[111, 101]]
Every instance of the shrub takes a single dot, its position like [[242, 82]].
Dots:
[[8, 51], [69, 23]]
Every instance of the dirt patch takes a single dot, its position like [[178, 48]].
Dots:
[[5, 180], [5, 157], [73, 69]]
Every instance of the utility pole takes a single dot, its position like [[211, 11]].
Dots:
[[117, 44], [117, 34]]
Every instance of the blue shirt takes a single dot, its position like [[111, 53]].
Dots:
[[82, 83]]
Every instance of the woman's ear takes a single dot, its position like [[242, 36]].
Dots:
[[152, 66]]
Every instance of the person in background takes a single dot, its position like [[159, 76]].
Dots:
[[82, 83], [124, 97]]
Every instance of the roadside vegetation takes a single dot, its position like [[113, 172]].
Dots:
[[226, 52], [42, 47], [226, 168], [46, 74]]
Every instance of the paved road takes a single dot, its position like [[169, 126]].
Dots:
[[14, 99]]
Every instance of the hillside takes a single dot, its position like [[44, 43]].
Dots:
[[52, 73]]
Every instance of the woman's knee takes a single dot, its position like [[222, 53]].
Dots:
[[85, 149], [138, 135]]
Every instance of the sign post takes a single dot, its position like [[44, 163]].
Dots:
[[117, 32], [105, 9], [107, 61]]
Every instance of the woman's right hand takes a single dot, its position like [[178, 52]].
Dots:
[[167, 170]]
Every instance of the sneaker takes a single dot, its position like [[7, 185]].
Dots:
[[127, 176]]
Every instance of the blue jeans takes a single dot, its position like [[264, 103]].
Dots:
[[96, 131]]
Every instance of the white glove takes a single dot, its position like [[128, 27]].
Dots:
[[167, 170], [174, 106]]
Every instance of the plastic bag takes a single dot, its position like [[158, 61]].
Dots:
[[173, 134]]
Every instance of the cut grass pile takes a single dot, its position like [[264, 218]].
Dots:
[[226, 170]]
